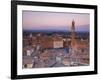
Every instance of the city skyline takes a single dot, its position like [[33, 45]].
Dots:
[[39, 20]]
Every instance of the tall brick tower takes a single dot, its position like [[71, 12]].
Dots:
[[73, 35]]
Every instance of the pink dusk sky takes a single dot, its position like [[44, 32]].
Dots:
[[32, 20]]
